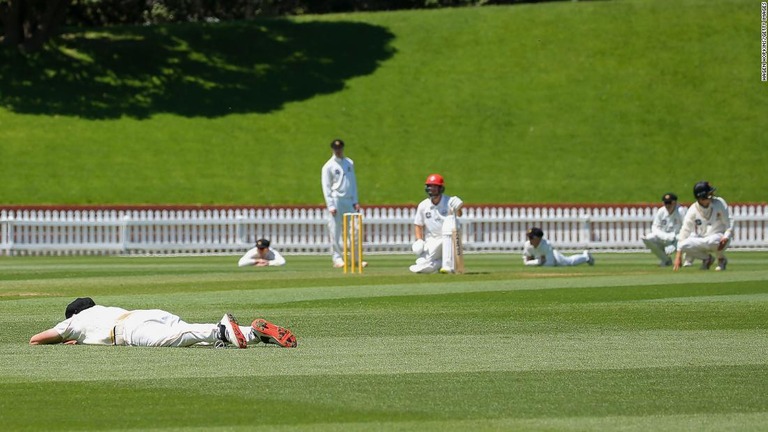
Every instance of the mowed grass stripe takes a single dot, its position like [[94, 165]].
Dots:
[[234, 284], [459, 353], [394, 398]]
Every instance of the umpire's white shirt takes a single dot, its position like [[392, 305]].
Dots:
[[339, 182]]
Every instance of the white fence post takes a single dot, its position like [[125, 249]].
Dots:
[[304, 231]]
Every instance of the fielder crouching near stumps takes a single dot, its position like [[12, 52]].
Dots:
[[87, 323], [433, 224], [667, 221], [707, 228]]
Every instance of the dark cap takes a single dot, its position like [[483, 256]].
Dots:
[[80, 304], [535, 232], [703, 189], [262, 243], [337, 144], [668, 198]]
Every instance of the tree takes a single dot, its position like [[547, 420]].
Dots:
[[28, 24]]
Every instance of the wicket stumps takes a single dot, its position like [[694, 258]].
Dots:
[[352, 233]]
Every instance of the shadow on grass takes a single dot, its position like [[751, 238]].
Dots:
[[192, 70]]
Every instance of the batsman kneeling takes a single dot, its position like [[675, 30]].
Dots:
[[438, 231]]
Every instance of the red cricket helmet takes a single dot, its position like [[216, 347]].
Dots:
[[435, 179]]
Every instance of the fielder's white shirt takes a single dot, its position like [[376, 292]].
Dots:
[[431, 216], [338, 180], [250, 258], [544, 249], [666, 225], [92, 326], [703, 222]]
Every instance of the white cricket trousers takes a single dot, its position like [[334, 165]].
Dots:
[[432, 258], [562, 260], [438, 251], [335, 226], [659, 246], [158, 328], [701, 247]]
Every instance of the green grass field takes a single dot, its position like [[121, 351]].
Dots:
[[583, 102], [623, 345]]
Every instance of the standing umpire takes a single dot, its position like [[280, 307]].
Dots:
[[340, 192]]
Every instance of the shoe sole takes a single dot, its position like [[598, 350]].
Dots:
[[235, 327], [270, 333]]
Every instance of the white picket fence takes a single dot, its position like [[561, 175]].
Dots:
[[303, 230]]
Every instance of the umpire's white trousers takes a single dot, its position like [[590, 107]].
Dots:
[[335, 226]]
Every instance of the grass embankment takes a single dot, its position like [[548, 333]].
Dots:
[[615, 101]]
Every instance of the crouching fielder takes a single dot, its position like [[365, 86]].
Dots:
[[707, 229], [433, 224], [537, 251], [662, 240]]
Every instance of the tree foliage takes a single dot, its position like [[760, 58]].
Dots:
[[28, 24]]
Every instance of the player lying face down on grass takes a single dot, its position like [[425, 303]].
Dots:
[[537, 251], [434, 222], [87, 323], [261, 255]]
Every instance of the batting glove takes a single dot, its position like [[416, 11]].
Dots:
[[418, 247], [455, 203]]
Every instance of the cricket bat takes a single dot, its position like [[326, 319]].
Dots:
[[458, 249]]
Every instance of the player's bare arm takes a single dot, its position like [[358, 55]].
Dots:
[[678, 262], [418, 231], [46, 337]]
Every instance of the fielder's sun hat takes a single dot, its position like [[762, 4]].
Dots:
[[535, 232], [262, 243], [80, 304], [668, 198], [337, 144]]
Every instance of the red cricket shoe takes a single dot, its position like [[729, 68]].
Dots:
[[229, 331], [269, 333]]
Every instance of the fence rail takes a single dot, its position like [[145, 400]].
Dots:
[[302, 230]]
